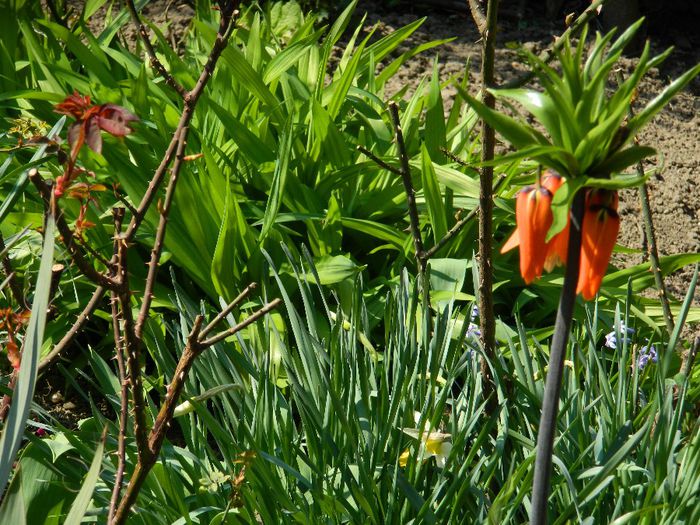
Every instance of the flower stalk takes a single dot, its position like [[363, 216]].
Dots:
[[550, 403]]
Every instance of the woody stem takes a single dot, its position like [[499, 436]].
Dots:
[[550, 403]]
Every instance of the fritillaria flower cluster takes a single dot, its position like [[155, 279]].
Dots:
[[534, 218]]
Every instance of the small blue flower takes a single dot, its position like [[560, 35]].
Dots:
[[475, 312], [611, 338], [473, 331], [646, 354]]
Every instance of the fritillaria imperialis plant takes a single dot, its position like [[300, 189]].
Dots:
[[571, 216]]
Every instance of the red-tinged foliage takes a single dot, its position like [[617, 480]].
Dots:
[[90, 120], [10, 322], [601, 224]]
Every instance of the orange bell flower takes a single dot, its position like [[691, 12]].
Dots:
[[601, 224], [533, 215]]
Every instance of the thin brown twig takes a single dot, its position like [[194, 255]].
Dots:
[[68, 337], [478, 15], [89, 249], [14, 285], [160, 233], [191, 98], [147, 455], [548, 54], [229, 308], [485, 292], [118, 216], [653, 252], [650, 233], [193, 349], [458, 225], [69, 241], [455, 158], [151, 52], [408, 187], [125, 202], [247, 321], [381, 163], [461, 223], [133, 354]]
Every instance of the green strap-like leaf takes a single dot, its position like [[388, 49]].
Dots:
[[661, 100], [31, 351], [82, 500], [279, 179], [518, 134]]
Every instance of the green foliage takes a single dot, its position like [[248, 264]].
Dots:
[[319, 423], [588, 129], [14, 425], [305, 415]]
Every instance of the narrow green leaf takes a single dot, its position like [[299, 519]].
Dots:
[[622, 159], [82, 500], [656, 105], [540, 105], [518, 134], [279, 180], [31, 351], [433, 196]]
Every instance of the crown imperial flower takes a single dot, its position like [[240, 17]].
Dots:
[[533, 214], [601, 224]]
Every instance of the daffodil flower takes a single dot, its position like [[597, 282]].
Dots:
[[432, 444]]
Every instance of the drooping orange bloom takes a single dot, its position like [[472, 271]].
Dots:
[[601, 224], [533, 215]]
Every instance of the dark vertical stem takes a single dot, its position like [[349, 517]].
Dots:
[[486, 315], [133, 355], [550, 403], [408, 187], [118, 215]]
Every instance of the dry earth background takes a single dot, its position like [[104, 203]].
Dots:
[[675, 133]]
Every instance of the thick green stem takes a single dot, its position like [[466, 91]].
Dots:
[[550, 403]]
